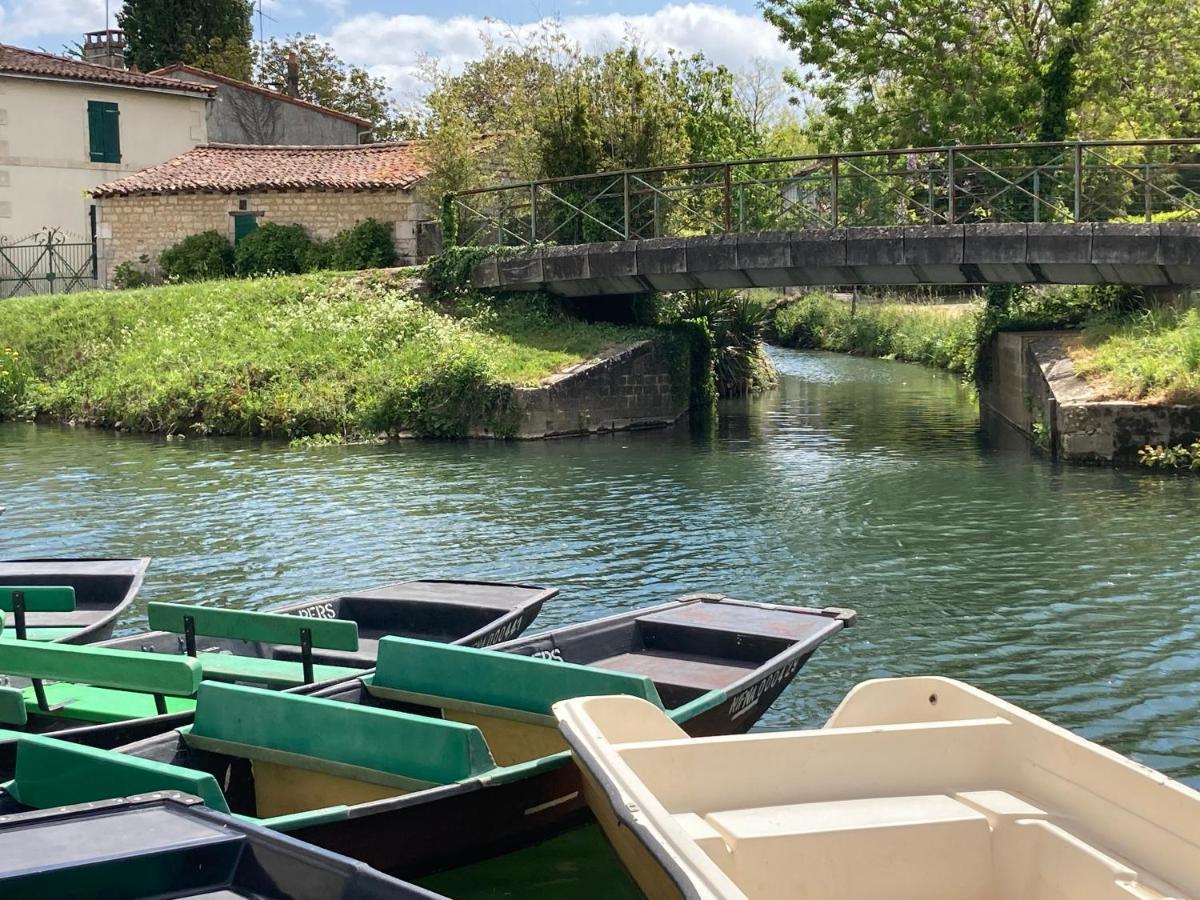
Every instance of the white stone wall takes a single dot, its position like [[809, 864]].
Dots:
[[45, 169]]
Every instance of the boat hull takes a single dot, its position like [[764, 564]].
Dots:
[[105, 589]]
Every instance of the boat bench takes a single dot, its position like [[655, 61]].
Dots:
[[491, 682], [26, 600], [95, 684], [257, 627], [346, 740], [52, 773]]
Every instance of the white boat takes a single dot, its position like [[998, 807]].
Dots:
[[916, 789]]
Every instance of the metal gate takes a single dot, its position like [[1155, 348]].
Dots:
[[49, 262]]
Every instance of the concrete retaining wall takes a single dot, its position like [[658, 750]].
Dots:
[[629, 387], [1028, 382]]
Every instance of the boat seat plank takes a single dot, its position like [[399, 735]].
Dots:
[[128, 670], [77, 618], [39, 598], [218, 666], [308, 729], [53, 773], [363, 658], [12, 707], [493, 679], [682, 669], [465, 593], [99, 705], [42, 634], [239, 624], [782, 623]]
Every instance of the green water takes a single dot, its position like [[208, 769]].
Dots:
[[858, 483]]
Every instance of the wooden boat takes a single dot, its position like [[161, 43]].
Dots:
[[472, 613], [120, 691], [100, 591], [915, 788], [748, 652], [436, 737], [171, 846]]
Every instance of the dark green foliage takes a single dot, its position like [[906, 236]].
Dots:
[[366, 245], [449, 273], [214, 34], [126, 276], [737, 324], [15, 376], [449, 222], [273, 249], [197, 257], [1058, 81]]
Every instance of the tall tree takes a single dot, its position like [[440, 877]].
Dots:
[[213, 35], [327, 80]]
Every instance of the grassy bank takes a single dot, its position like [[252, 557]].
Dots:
[[313, 354], [944, 337], [1152, 355]]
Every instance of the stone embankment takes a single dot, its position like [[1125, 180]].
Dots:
[[1027, 381]]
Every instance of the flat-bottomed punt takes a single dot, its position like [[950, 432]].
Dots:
[[102, 589], [738, 654], [471, 613], [168, 845], [916, 789]]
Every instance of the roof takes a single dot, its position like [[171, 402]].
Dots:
[[30, 63], [241, 168], [167, 71]]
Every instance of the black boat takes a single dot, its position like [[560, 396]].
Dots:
[[103, 590], [168, 845], [470, 613]]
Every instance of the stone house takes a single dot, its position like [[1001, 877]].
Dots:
[[67, 126], [243, 113], [231, 189]]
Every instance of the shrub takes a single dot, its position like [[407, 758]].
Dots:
[[319, 256], [198, 257], [367, 245], [273, 249], [126, 276]]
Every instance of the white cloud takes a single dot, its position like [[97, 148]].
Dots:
[[23, 20], [390, 46]]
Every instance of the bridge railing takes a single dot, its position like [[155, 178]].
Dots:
[[1075, 181]]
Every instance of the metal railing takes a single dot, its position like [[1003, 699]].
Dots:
[[1073, 181], [49, 262]]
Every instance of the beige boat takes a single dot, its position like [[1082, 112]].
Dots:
[[916, 789]]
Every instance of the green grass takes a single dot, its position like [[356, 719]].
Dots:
[[1152, 355], [290, 356], [936, 336]]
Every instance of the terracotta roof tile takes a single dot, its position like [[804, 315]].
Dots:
[[239, 169], [167, 71], [17, 61]]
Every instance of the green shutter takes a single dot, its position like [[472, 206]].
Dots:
[[104, 131], [243, 224]]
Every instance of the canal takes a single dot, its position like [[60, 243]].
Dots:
[[861, 483]]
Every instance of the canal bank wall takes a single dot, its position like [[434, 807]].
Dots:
[[643, 385], [1027, 382]]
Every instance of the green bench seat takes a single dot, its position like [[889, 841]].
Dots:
[[281, 673], [39, 598], [492, 682], [243, 625], [96, 684], [52, 773], [360, 742], [12, 706]]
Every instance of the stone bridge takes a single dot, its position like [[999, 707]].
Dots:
[[1079, 212], [1166, 254]]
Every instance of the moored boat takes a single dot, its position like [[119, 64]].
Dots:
[[436, 737], [168, 845], [739, 655], [915, 788], [471, 613], [100, 591]]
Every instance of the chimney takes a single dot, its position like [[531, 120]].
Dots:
[[105, 48], [292, 88]]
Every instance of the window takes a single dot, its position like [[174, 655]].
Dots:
[[104, 131]]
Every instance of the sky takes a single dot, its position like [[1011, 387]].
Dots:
[[389, 38]]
